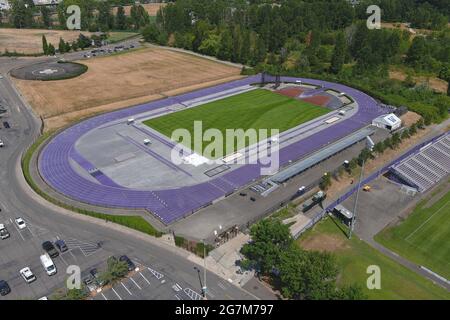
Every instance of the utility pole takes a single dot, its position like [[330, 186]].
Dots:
[[204, 270], [369, 145]]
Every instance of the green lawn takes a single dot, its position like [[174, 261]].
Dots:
[[424, 237], [116, 36], [257, 109], [354, 256]]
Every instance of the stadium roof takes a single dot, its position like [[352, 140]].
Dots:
[[321, 155]]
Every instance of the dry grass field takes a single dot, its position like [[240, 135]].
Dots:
[[30, 40], [117, 81]]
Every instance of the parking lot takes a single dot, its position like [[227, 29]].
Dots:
[[147, 284], [23, 248]]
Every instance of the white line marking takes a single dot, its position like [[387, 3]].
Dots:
[[126, 289], [146, 280], [120, 298], [221, 286], [17, 230], [64, 260], [176, 296], [70, 251], [29, 229], [419, 227], [103, 296], [136, 283]]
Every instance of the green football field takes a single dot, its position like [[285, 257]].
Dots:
[[424, 237], [354, 256], [257, 109]]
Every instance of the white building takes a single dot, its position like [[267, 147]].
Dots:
[[4, 5], [388, 121], [45, 2]]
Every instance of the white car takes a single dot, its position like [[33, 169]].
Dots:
[[27, 275], [1, 144], [20, 223]]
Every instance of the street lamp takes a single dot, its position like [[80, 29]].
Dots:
[[204, 288], [369, 145]]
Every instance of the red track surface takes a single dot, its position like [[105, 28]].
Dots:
[[291, 92], [318, 100]]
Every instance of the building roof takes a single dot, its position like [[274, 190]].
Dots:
[[388, 119]]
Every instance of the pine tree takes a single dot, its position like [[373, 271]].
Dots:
[[337, 61], [51, 50], [121, 19], [44, 45], [61, 46]]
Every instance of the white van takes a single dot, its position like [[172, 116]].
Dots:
[[48, 264]]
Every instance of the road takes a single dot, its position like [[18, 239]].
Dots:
[[46, 222]]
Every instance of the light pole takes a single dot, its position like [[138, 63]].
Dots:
[[204, 288], [369, 145]]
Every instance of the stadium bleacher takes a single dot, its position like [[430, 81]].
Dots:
[[428, 166]]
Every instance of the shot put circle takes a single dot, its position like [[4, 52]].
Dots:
[[49, 71]]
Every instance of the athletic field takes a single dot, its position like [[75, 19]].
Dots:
[[424, 237], [256, 109], [354, 256]]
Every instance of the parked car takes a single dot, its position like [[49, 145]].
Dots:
[[1, 144], [4, 234], [20, 223], [6, 124], [90, 284], [27, 275], [61, 245], [130, 264], [50, 249], [4, 288], [48, 264], [94, 272]]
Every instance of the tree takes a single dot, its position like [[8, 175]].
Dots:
[[61, 46], [151, 33], [44, 45], [226, 46], [269, 238], [51, 50], [21, 14], [338, 58], [325, 182], [45, 12], [116, 269], [309, 275], [121, 19]]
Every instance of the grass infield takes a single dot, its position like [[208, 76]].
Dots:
[[256, 109]]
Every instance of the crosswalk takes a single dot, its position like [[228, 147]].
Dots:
[[87, 248]]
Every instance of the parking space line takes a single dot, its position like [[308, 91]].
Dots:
[[120, 298], [135, 283], [146, 280], [103, 296], [28, 227], [63, 260], [17, 229], [126, 289]]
